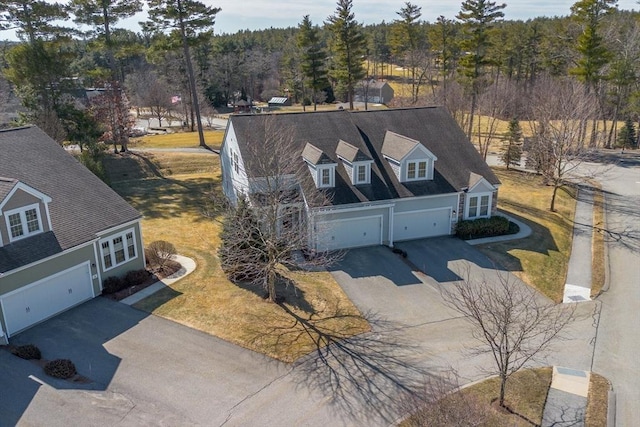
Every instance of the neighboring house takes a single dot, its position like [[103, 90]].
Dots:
[[374, 91], [390, 175], [280, 101], [62, 231]]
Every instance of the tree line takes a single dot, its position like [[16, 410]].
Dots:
[[475, 63]]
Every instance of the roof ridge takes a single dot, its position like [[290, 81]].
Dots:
[[17, 128]]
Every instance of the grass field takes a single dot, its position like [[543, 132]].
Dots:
[[540, 260], [213, 138], [171, 191]]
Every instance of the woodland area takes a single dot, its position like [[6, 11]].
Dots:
[[477, 64]]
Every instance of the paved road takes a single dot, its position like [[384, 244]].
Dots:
[[618, 341]]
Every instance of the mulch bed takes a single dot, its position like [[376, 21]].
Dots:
[[170, 268]]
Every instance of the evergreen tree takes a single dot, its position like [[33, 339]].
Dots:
[[241, 247], [313, 58], [348, 47], [189, 19], [33, 19], [409, 44], [627, 135], [512, 151], [478, 18]]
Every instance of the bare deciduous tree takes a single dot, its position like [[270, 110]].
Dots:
[[512, 321], [559, 108], [441, 403], [259, 243]]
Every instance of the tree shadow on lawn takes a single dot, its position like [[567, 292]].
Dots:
[[157, 299], [164, 198], [288, 292], [367, 374]]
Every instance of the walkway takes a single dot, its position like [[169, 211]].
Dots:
[[188, 265], [578, 285], [567, 398]]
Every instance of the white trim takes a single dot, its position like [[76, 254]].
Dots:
[[112, 229], [97, 260], [483, 181], [24, 223], [479, 196], [391, 220], [125, 248], [318, 211], [332, 175], [315, 231], [43, 260], [51, 276], [417, 169], [430, 210], [367, 172], [38, 283], [24, 187]]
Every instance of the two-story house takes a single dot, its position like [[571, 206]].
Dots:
[[62, 231], [390, 175]]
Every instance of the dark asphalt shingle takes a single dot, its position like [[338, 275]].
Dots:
[[431, 126], [81, 204]]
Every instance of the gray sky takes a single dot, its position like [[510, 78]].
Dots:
[[258, 14]]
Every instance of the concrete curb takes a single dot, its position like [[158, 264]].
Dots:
[[525, 231], [611, 408], [188, 266]]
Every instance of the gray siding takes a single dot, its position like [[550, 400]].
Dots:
[[13, 281], [134, 264]]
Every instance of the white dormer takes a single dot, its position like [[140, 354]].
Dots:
[[478, 197], [356, 163], [410, 160], [321, 167], [24, 211]]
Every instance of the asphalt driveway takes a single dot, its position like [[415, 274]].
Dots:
[[146, 370], [408, 290]]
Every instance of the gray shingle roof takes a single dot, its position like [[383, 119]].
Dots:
[[26, 251], [81, 204], [397, 146], [366, 131], [350, 153], [314, 155], [6, 185]]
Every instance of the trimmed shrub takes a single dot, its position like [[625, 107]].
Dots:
[[113, 284], [484, 227], [28, 352], [60, 368], [136, 277], [159, 253]]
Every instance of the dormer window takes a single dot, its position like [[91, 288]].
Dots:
[[321, 167], [23, 222], [325, 177], [409, 158], [356, 163], [416, 169]]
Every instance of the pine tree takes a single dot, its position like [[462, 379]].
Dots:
[[478, 18], [349, 48], [314, 58], [189, 19], [627, 135], [512, 151]]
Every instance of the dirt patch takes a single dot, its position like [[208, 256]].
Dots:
[[169, 269]]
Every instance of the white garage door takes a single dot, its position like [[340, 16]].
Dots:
[[420, 224], [349, 233], [46, 297]]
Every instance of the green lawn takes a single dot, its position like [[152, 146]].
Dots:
[[213, 138], [173, 205], [540, 260]]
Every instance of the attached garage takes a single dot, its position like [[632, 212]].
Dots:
[[421, 224], [348, 233], [47, 297]]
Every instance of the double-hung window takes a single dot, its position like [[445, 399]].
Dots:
[[23, 222], [118, 249], [416, 170], [478, 206]]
